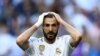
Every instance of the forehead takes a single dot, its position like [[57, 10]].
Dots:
[[50, 20]]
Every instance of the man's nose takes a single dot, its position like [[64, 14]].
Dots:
[[50, 28]]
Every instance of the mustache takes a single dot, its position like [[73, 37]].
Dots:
[[51, 33]]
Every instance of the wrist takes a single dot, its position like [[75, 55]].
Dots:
[[38, 24]]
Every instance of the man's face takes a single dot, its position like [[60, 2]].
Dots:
[[50, 28]]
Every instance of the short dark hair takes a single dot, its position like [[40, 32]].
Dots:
[[49, 16]]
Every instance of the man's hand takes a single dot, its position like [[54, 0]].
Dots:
[[59, 19], [76, 35], [40, 20], [23, 38]]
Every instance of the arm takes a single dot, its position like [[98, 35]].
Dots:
[[76, 35], [22, 39]]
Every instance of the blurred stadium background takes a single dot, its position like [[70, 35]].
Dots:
[[18, 15]]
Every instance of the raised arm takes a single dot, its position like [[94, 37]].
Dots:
[[23, 38], [76, 35]]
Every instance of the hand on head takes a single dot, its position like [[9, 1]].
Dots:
[[40, 20], [59, 19]]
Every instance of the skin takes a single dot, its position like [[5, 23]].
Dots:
[[76, 35], [50, 29]]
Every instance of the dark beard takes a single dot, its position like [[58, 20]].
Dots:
[[50, 39]]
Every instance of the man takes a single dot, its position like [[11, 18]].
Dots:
[[50, 44]]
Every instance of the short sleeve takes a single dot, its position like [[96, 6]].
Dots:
[[68, 39], [30, 51]]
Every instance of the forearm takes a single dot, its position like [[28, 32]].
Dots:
[[76, 35], [73, 32], [24, 37]]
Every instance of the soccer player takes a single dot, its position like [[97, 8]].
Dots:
[[50, 44]]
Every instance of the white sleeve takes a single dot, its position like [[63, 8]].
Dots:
[[68, 39], [30, 50]]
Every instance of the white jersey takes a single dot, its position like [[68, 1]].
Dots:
[[39, 47]]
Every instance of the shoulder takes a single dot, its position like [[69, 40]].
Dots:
[[65, 37], [35, 39]]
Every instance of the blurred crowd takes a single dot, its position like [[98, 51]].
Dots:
[[18, 15]]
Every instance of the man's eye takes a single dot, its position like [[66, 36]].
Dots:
[[54, 25], [47, 25]]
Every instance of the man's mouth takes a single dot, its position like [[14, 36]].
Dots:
[[50, 35]]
